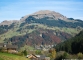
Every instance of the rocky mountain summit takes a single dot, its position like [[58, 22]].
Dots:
[[46, 13], [52, 14], [42, 27]]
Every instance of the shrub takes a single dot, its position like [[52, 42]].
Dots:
[[80, 55], [65, 55]]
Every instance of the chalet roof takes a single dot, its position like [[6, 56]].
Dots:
[[32, 56], [8, 45], [36, 56], [11, 46], [1, 44], [42, 56], [39, 57]]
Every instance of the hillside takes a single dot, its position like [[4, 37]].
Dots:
[[7, 56], [73, 45], [42, 27]]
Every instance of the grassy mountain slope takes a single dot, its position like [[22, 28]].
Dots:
[[41, 28]]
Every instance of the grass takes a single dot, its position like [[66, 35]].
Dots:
[[71, 31], [1, 58], [13, 32], [7, 56], [27, 48]]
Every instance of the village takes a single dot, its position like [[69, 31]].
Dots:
[[40, 52]]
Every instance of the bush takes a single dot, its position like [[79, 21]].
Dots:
[[65, 55], [80, 55], [24, 52], [38, 52]]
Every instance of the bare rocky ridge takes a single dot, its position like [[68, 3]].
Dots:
[[46, 13], [51, 14], [39, 15], [6, 22]]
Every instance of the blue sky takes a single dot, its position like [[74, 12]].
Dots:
[[15, 9]]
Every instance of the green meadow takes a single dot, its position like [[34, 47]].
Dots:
[[8, 56]]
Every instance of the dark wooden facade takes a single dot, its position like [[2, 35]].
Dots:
[[8, 48]]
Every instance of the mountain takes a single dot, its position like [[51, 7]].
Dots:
[[52, 18], [6, 22], [40, 28], [73, 45], [46, 13]]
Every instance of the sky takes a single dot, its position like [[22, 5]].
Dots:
[[15, 9]]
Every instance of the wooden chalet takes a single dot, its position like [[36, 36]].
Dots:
[[37, 57], [33, 57], [8, 48]]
